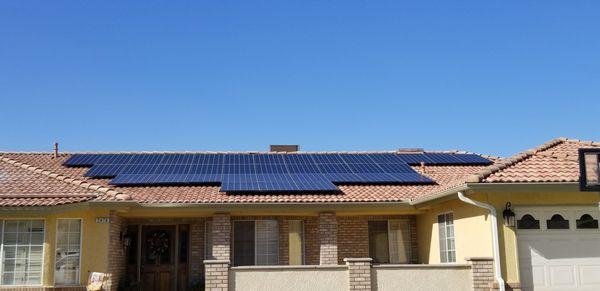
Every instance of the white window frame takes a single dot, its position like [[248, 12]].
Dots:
[[447, 250], [255, 238], [2, 250], [80, 250]]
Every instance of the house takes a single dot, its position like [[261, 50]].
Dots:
[[405, 220]]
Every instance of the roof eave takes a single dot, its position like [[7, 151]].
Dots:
[[520, 187]]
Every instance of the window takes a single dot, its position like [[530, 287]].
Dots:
[[557, 222], [446, 231], [68, 251], [389, 241], [255, 242], [22, 252], [587, 222], [296, 242], [528, 222], [208, 241]]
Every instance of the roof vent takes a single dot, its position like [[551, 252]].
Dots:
[[411, 150], [285, 147]]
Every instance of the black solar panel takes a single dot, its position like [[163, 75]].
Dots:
[[244, 172]]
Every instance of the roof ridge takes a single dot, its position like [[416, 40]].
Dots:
[[83, 184], [251, 152], [508, 162]]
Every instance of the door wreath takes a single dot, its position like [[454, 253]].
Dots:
[[158, 243]]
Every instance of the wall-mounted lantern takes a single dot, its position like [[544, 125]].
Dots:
[[509, 216]]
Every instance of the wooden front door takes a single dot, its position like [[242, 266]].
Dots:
[[158, 258]]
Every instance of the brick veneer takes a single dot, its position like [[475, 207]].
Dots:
[[482, 270], [221, 235], [328, 248], [359, 273], [217, 275], [116, 253], [196, 250], [216, 271]]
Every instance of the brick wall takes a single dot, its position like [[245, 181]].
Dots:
[[353, 238], [328, 251], [483, 273], [217, 275], [221, 233], [116, 253], [311, 241], [359, 273], [196, 251]]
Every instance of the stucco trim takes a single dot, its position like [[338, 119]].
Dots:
[[292, 267], [422, 266]]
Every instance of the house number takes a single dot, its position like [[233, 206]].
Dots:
[[102, 219]]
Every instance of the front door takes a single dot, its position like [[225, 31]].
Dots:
[[158, 257]]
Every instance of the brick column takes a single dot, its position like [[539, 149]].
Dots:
[[359, 273], [217, 275], [116, 252], [328, 238], [217, 270], [221, 234], [482, 270]]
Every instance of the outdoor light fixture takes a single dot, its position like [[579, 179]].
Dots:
[[125, 240], [509, 216]]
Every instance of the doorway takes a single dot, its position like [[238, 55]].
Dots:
[[159, 256]]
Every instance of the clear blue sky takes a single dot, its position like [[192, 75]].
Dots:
[[489, 77]]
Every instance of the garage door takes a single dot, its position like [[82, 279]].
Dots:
[[559, 248]]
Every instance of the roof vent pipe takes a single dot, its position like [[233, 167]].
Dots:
[[55, 150], [496, 245]]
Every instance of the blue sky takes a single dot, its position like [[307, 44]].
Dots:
[[494, 78]]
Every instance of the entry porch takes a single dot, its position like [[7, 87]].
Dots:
[[322, 251]]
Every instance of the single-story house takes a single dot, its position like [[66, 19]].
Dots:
[[290, 220]]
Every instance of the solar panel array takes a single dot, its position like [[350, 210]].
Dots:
[[265, 172]]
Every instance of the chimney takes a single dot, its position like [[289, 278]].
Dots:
[[55, 150], [284, 148], [411, 150]]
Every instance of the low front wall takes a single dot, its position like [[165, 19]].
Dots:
[[292, 278], [453, 277]]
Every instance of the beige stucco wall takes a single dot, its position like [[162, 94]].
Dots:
[[471, 231], [289, 278], [455, 277], [94, 241], [472, 225]]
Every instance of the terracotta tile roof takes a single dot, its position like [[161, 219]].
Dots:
[[445, 176], [20, 186], [554, 161]]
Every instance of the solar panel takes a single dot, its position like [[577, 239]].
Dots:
[[241, 172]]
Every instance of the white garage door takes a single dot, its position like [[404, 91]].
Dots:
[[559, 248]]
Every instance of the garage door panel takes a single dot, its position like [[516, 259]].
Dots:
[[562, 275], [559, 259], [538, 276], [589, 275]]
